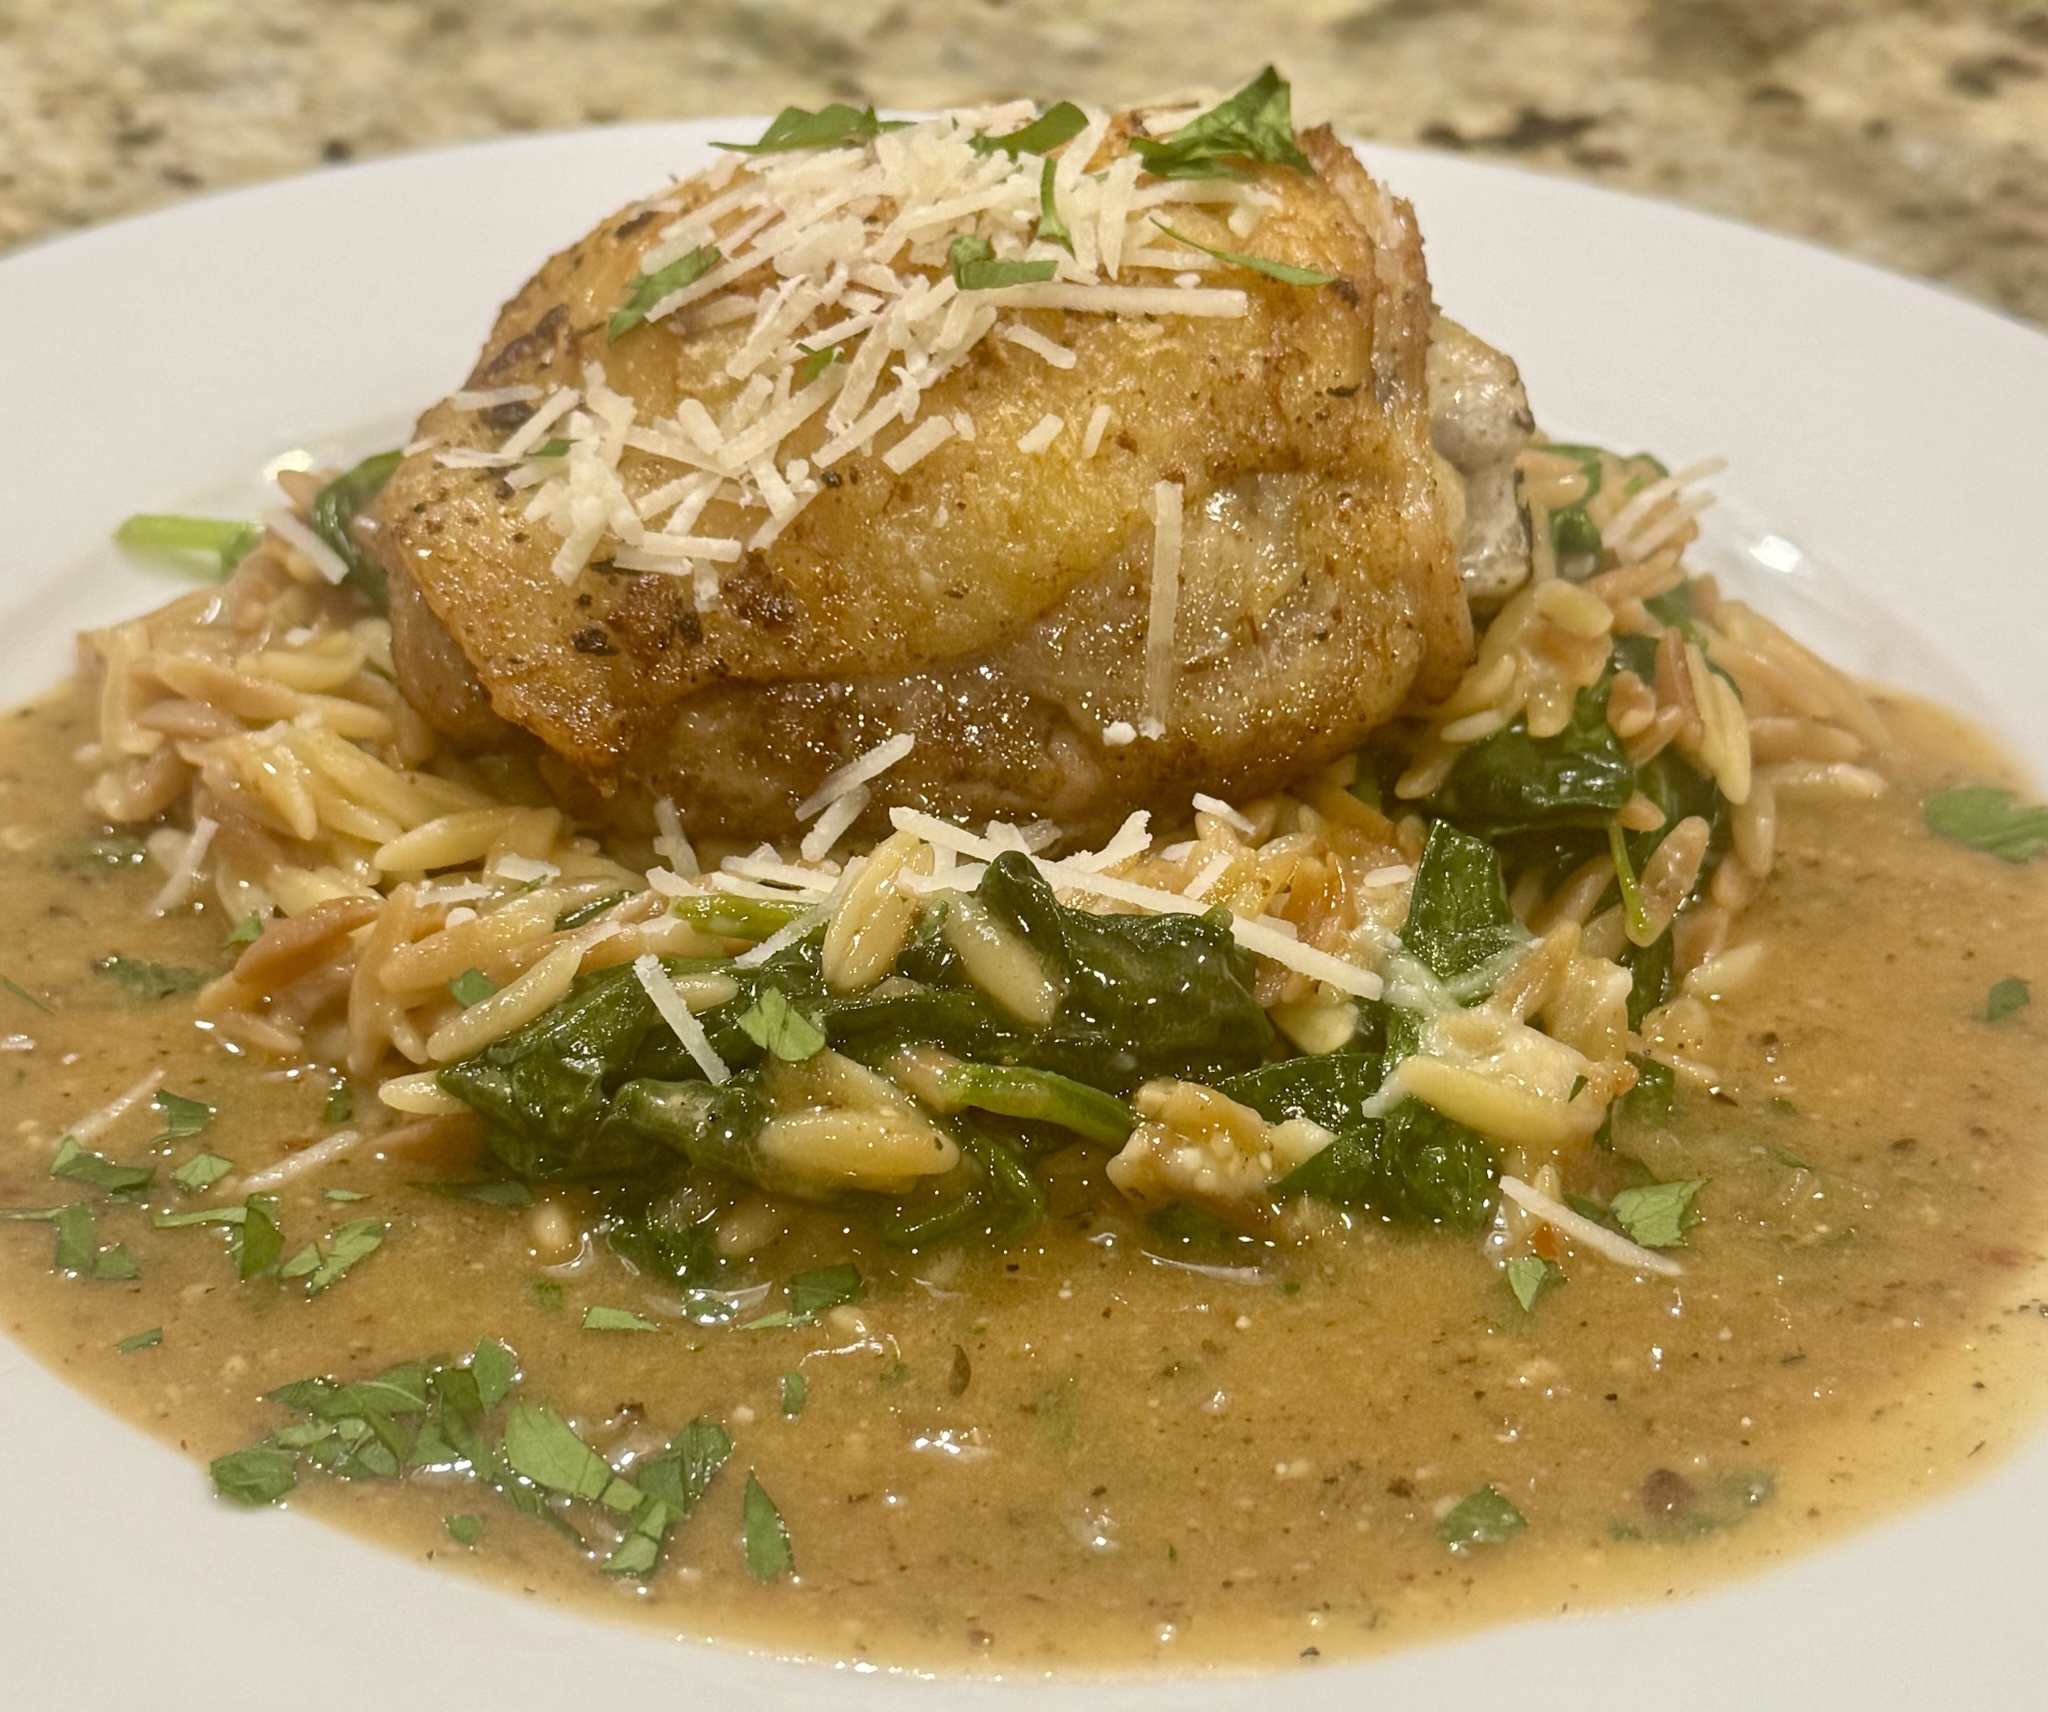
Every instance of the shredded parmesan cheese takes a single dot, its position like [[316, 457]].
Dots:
[[832, 823], [837, 262], [858, 771], [1030, 339], [1583, 1230], [1041, 434], [659, 986], [308, 545], [1161, 663], [177, 890]]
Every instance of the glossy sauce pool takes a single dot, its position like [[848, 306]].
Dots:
[[1093, 1450]]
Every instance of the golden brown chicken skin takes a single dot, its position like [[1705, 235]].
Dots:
[[995, 601]]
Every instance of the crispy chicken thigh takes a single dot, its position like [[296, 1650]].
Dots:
[[995, 597]]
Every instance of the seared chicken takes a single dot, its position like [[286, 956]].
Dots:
[[996, 578]]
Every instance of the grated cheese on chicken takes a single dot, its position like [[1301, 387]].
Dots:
[[846, 249]]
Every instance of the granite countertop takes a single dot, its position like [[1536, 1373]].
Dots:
[[1910, 132]]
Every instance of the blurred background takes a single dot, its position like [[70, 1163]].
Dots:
[[1910, 132]]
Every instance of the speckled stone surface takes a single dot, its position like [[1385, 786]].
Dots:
[[1914, 134]]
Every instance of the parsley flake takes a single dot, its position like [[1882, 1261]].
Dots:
[[340, 1104], [542, 1446], [775, 1025], [1528, 1276], [259, 1475], [353, 1242], [598, 1319], [183, 1118], [828, 128], [2007, 996], [151, 980], [646, 290], [1255, 125], [1059, 123], [1482, 1518], [1286, 272], [814, 1293], [767, 1537], [1988, 819], [255, 1241], [1051, 228], [1659, 1214], [796, 1391], [817, 362], [465, 1530], [140, 1340], [24, 995], [472, 987], [975, 267], [246, 931], [199, 1173], [76, 1165]]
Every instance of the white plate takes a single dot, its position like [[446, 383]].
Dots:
[[154, 364]]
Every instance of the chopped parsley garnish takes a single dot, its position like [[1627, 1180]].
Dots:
[[1051, 228], [471, 987], [183, 1118], [246, 931], [1528, 1276], [79, 1252], [354, 1242], [113, 849], [975, 267], [584, 914], [259, 1475], [255, 1241], [557, 447], [226, 541], [2007, 996], [828, 128], [1483, 1518], [1988, 819], [1659, 1214], [465, 1530], [498, 1192], [1059, 123], [24, 995], [1286, 272], [767, 1538], [598, 1319], [814, 1293], [1255, 125], [76, 1165], [796, 1391], [544, 1448], [816, 362], [199, 1173], [343, 1195], [305, 1261], [645, 290], [340, 1104], [140, 1340], [151, 980], [775, 1025], [547, 1296]]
